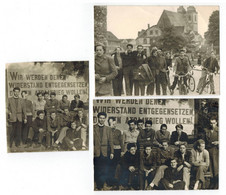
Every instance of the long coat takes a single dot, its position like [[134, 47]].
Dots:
[[104, 67], [105, 145], [17, 112]]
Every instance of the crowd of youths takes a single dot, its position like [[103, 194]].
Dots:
[[144, 74], [53, 123], [143, 158]]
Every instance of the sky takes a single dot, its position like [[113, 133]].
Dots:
[[126, 21]]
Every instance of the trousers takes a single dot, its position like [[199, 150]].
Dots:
[[15, 133]]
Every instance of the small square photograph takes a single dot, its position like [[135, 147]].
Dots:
[[156, 50], [156, 144], [47, 106]]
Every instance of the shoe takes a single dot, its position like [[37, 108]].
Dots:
[[171, 92]]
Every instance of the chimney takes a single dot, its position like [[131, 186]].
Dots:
[[148, 25], [138, 33]]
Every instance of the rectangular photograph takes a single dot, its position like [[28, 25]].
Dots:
[[156, 144], [47, 106], [156, 50]]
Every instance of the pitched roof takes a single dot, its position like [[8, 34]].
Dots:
[[142, 33], [111, 37], [176, 19]]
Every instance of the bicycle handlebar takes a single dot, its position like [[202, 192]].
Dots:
[[183, 75]]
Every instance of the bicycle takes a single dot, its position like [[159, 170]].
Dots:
[[206, 86], [183, 88]]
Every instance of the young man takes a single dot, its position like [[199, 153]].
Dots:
[[51, 104], [118, 150], [179, 137], [63, 103], [40, 103], [81, 122], [103, 150], [200, 163], [66, 119], [173, 177], [131, 135], [212, 145], [163, 155], [46, 96], [39, 130], [53, 126], [76, 103], [73, 139], [211, 65], [147, 166], [117, 81], [30, 116], [140, 125], [161, 135], [130, 168], [139, 86], [184, 161], [16, 111], [128, 64], [146, 136], [182, 67], [161, 71]]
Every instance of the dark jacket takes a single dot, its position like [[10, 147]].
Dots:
[[143, 135], [148, 162], [175, 137], [152, 63], [182, 65], [212, 67], [130, 160], [102, 145], [171, 174], [53, 125], [129, 59], [180, 160], [75, 104], [164, 155], [39, 124]]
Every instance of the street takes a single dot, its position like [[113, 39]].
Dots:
[[196, 75]]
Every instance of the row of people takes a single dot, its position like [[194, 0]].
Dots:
[[23, 113], [111, 70], [112, 146]]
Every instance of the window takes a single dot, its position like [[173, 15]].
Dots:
[[189, 18], [156, 32], [151, 32], [195, 18], [145, 41]]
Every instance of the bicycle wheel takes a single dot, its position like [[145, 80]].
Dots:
[[205, 89], [191, 83]]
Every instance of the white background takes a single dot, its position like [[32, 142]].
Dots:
[[48, 30]]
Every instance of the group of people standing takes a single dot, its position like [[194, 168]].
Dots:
[[62, 123], [143, 158], [142, 74]]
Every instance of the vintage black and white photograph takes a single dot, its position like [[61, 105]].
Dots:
[[156, 50], [156, 144], [47, 106]]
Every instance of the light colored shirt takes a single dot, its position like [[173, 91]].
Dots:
[[39, 105], [131, 136]]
